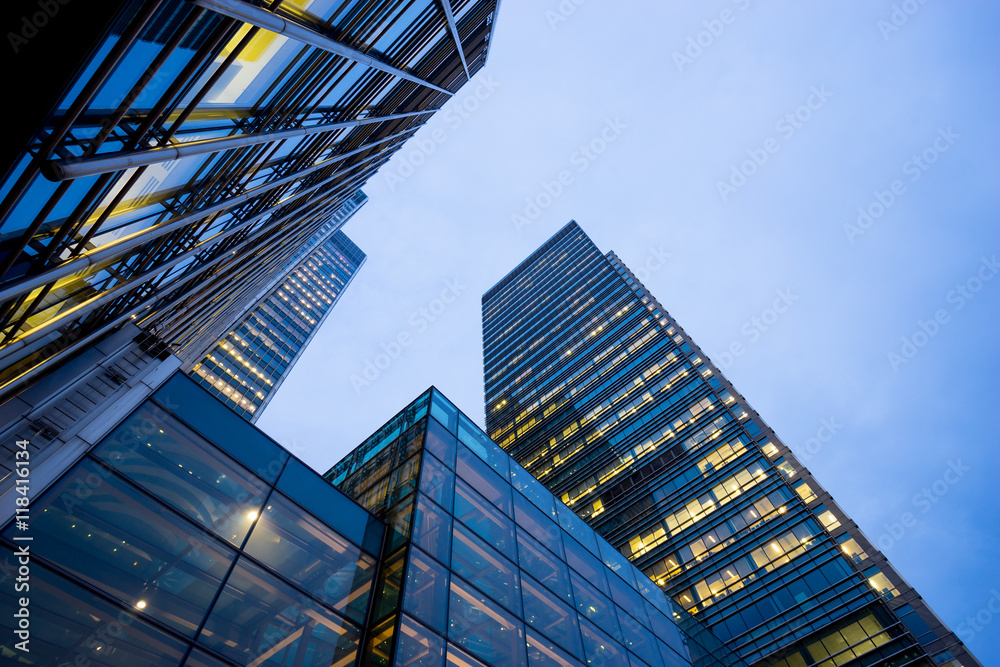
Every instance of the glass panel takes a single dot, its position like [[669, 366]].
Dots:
[[576, 527], [441, 443], [202, 659], [671, 659], [484, 568], [176, 465], [483, 628], [587, 566], [639, 640], [389, 587], [547, 614], [307, 488], [95, 526], [482, 478], [70, 626], [418, 647], [541, 527], [444, 411], [183, 397], [425, 594], [432, 529], [618, 563], [483, 447], [533, 490], [594, 606], [600, 649], [378, 648], [437, 482], [311, 554], [543, 565], [484, 519], [664, 628], [258, 619], [459, 658], [542, 653], [399, 518], [628, 599], [374, 535], [636, 662]]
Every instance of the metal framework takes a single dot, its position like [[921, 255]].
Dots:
[[199, 148]]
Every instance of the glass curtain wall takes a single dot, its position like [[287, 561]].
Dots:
[[485, 567]]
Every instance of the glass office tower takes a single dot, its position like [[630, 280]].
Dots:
[[483, 566], [185, 536], [175, 154], [248, 364], [602, 396]]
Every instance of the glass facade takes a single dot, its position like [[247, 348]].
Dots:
[[187, 537], [250, 362], [602, 396], [193, 150], [483, 566]]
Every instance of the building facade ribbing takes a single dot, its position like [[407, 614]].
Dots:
[[602, 396]]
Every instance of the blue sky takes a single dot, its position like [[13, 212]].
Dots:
[[723, 150]]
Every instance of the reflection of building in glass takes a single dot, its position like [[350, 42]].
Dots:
[[185, 151], [248, 364], [599, 393], [185, 536]]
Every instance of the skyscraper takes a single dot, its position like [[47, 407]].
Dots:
[[247, 365], [180, 153], [602, 396]]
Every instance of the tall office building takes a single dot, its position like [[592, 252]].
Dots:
[[247, 365], [602, 396], [182, 535], [176, 154]]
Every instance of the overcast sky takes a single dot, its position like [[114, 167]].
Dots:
[[723, 150]]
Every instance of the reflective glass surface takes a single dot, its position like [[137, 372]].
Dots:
[[307, 552], [260, 619]]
